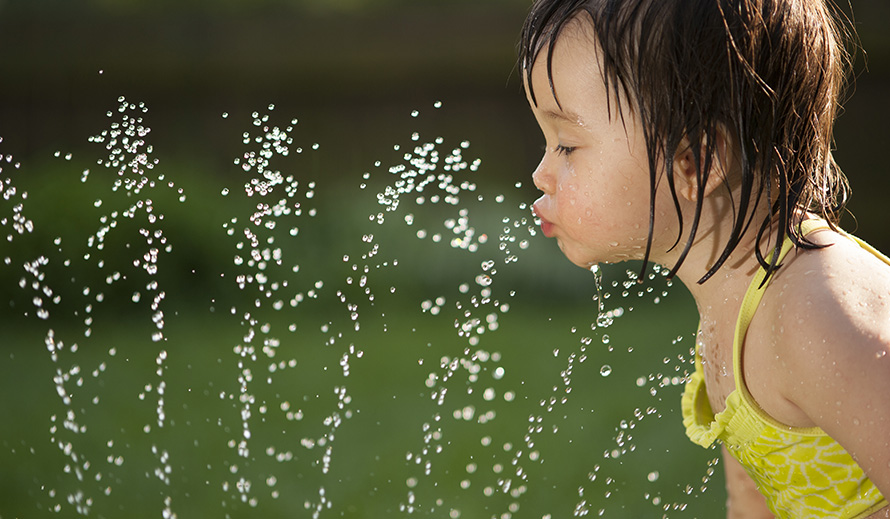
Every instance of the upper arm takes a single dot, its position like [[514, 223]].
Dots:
[[837, 343]]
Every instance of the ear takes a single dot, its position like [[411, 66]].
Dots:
[[685, 178]]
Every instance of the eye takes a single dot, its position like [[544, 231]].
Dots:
[[564, 150]]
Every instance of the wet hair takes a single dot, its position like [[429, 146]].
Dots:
[[766, 75]]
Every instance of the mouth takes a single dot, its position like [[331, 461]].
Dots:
[[546, 227]]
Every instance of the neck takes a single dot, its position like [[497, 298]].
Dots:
[[724, 290]]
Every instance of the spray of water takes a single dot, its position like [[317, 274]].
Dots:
[[290, 319]]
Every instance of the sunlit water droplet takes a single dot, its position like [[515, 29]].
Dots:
[[261, 359]]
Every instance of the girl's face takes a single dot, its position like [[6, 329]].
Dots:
[[594, 173]]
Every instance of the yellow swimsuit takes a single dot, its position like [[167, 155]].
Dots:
[[802, 472]]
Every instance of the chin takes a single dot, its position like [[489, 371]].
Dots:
[[584, 261], [588, 259]]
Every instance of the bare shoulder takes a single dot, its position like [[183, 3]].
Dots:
[[837, 297], [825, 315], [829, 309]]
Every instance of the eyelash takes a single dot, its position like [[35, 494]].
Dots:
[[564, 150], [561, 150]]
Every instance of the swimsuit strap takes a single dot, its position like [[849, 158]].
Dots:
[[752, 300]]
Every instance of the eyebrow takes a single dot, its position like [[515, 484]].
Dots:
[[563, 115]]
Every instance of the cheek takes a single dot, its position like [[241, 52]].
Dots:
[[578, 189], [569, 196], [581, 207]]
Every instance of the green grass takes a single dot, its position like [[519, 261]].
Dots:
[[542, 413], [390, 403]]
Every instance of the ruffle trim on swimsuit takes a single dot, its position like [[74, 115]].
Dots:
[[702, 427], [738, 425]]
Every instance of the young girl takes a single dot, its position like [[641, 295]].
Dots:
[[697, 134]]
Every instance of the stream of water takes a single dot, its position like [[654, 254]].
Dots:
[[405, 362]]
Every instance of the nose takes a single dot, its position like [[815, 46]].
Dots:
[[543, 178]]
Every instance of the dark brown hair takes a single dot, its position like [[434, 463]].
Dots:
[[766, 73]]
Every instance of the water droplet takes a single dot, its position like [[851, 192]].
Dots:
[[606, 370], [426, 182]]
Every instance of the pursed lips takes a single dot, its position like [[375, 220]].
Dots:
[[546, 226]]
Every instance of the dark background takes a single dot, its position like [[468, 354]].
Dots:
[[352, 68]]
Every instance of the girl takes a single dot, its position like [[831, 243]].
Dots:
[[696, 134]]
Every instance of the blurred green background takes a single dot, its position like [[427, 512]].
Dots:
[[545, 414]]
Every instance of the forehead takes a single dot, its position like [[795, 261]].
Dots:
[[566, 72], [571, 58]]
